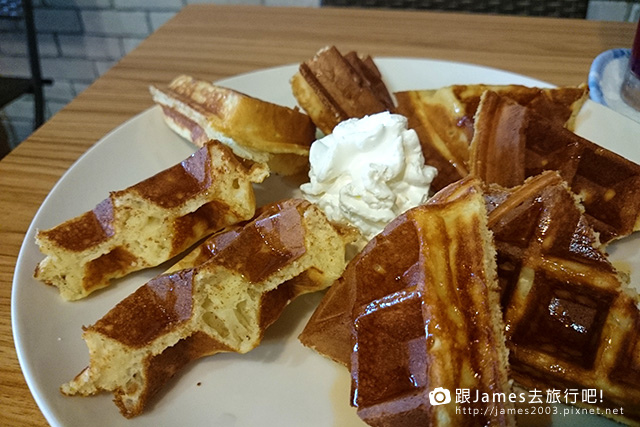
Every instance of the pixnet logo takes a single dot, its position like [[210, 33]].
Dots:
[[439, 396]]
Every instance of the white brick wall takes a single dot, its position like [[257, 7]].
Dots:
[[90, 47], [57, 20], [14, 66], [59, 90], [78, 41], [157, 19], [609, 10], [115, 22], [69, 68], [634, 12], [130, 43], [82, 4], [81, 39], [148, 5], [15, 44]]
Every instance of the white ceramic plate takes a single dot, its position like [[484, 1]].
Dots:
[[280, 383]]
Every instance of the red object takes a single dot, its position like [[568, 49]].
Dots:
[[634, 61]]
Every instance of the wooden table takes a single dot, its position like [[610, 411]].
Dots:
[[213, 42]]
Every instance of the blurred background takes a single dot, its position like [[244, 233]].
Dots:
[[78, 40]]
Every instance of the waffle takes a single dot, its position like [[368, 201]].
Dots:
[[512, 142], [149, 222], [444, 118], [571, 322], [254, 129], [332, 87], [394, 252], [219, 298], [432, 268]]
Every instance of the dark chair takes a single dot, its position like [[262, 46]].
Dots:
[[552, 8], [14, 87]]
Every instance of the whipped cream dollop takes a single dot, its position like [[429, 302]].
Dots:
[[368, 171]]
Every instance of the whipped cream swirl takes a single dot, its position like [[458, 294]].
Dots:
[[368, 171]]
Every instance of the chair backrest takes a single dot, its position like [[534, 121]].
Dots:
[[552, 8]]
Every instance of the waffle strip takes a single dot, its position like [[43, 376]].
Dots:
[[512, 142], [455, 300], [444, 118], [332, 87], [219, 298], [432, 268], [571, 323], [149, 222], [254, 129]]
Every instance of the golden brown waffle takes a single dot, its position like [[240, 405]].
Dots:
[[571, 324], [444, 118], [432, 269], [332, 87], [220, 298], [254, 129], [387, 264], [149, 222], [393, 253], [512, 142]]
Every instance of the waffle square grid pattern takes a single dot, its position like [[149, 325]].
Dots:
[[569, 321]]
